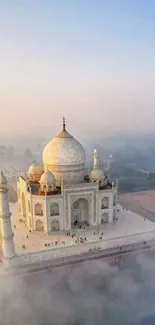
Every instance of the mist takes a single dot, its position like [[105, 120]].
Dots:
[[93, 293], [90, 62]]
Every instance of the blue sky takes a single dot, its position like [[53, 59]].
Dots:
[[91, 61]]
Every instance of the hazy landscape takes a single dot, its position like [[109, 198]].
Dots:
[[92, 62], [132, 158], [94, 293]]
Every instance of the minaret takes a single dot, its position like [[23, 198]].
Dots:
[[96, 159], [6, 233]]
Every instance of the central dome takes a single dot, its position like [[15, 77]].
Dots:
[[64, 156]]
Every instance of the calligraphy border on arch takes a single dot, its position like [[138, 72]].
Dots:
[[75, 195], [86, 196]]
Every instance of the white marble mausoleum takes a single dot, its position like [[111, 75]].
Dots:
[[63, 196]]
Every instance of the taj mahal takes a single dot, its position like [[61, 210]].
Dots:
[[64, 212], [63, 196]]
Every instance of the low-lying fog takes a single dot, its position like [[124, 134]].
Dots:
[[94, 294]]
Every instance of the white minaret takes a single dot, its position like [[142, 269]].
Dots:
[[96, 159], [6, 233]]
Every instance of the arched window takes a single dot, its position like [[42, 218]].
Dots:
[[54, 209], [105, 203], [55, 225], [38, 209], [104, 218], [39, 225], [76, 205]]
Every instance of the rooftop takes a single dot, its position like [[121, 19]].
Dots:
[[35, 186]]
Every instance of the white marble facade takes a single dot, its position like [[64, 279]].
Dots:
[[62, 197]]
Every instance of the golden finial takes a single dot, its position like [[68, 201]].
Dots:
[[64, 125]]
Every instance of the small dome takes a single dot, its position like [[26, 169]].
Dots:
[[3, 179], [97, 174], [34, 169], [47, 178]]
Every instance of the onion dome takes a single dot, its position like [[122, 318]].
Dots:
[[34, 172], [64, 156], [47, 178]]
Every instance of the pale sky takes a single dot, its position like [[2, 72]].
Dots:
[[92, 61]]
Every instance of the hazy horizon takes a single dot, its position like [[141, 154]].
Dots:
[[90, 61]]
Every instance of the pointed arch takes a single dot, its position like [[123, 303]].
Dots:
[[80, 212], [54, 209], [105, 203], [38, 209], [39, 225], [55, 226], [104, 218]]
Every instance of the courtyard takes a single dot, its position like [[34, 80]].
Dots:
[[129, 227]]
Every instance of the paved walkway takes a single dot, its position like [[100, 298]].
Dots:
[[130, 227]]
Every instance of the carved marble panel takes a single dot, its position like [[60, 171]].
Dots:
[[71, 196], [86, 196]]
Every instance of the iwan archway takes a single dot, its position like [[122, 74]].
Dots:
[[80, 213]]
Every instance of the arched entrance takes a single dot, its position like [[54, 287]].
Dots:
[[55, 225], [39, 225], [54, 209], [105, 203], [23, 205], [104, 218], [80, 213], [38, 209]]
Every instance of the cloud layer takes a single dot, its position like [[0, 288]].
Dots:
[[94, 293]]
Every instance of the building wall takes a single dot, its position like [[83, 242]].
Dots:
[[38, 204], [73, 193], [36, 210], [112, 204], [23, 200], [52, 217]]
